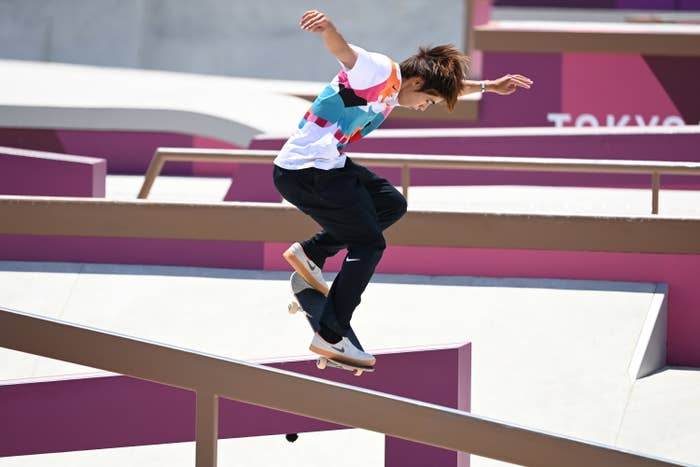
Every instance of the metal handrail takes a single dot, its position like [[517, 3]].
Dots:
[[213, 377], [406, 162]]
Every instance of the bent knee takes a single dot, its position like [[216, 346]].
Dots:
[[372, 248], [401, 207]]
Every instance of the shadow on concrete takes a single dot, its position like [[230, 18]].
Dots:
[[220, 273]]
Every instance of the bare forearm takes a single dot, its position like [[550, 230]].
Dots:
[[504, 85], [470, 87], [338, 46], [315, 21]]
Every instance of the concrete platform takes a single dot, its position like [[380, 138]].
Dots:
[[555, 200], [551, 354], [53, 95], [169, 188]]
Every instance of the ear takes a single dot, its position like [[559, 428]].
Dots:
[[417, 82]]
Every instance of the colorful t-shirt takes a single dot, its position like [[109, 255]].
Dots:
[[356, 102]]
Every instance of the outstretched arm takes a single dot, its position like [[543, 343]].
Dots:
[[504, 85], [315, 21]]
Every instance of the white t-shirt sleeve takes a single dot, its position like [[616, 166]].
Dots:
[[370, 69]]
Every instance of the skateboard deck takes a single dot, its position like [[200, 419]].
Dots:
[[311, 302]]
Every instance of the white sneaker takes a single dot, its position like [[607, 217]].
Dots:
[[301, 263], [344, 351]]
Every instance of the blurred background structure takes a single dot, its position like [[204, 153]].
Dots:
[[245, 39]]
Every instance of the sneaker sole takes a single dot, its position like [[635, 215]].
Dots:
[[304, 272], [341, 358]]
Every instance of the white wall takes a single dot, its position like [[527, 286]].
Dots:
[[254, 38]]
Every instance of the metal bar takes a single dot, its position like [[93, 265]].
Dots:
[[452, 162], [85, 217], [523, 164], [529, 164], [405, 179], [655, 185], [207, 429], [153, 171], [277, 389]]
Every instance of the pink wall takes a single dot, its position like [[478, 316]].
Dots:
[[592, 89], [130, 152], [126, 152], [49, 174], [584, 89], [115, 411]]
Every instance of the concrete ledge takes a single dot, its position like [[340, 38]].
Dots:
[[602, 5], [38, 173], [611, 38], [60, 96], [257, 222], [126, 119]]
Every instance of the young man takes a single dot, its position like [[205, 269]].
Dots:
[[352, 204]]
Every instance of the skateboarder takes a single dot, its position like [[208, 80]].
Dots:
[[351, 203]]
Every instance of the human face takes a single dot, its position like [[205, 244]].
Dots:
[[411, 97]]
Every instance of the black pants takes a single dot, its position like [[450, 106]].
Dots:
[[354, 206]]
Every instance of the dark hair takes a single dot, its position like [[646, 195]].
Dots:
[[443, 68]]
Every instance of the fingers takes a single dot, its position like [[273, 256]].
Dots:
[[508, 84], [313, 21], [520, 81]]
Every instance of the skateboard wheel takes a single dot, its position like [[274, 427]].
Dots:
[[321, 363], [358, 372], [293, 307]]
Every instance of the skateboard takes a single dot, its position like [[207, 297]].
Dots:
[[311, 301]]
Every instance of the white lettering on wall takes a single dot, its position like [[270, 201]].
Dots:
[[623, 121], [653, 121], [560, 119], [586, 120], [674, 120]]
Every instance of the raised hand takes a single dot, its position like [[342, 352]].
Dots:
[[508, 84], [315, 21]]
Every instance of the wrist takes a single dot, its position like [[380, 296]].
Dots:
[[330, 28]]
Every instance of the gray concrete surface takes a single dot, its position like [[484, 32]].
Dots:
[[236, 38], [555, 200], [311, 449], [648, 406], [550, 354], [169, 188]]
